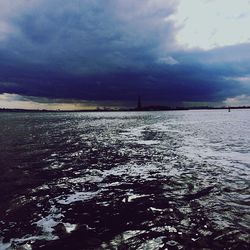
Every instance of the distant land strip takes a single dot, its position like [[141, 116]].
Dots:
[[148, 108]]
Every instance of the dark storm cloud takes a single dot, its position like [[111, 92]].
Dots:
[[109, 50], [85, 37]]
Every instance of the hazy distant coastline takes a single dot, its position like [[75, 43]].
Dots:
[[147, 108]]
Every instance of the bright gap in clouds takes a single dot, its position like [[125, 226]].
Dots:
[[208, 24], [13, 101]]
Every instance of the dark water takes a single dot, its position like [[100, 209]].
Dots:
[[150, 180]]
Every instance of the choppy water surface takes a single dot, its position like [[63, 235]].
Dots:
[[149, 180]]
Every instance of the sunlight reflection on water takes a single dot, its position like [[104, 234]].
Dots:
[[110, 175]]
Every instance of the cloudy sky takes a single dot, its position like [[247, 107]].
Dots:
[[87, 53]]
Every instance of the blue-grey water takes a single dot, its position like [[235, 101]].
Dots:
[[125, 180]]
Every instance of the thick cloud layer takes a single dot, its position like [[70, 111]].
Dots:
[[111, 50]]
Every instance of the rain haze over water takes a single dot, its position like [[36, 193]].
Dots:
[[125, 180]]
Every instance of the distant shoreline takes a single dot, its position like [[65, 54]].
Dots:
[[146, 109]]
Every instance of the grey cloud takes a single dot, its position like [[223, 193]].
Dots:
[[83, 36]]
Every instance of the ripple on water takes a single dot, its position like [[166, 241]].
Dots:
[[133, 180]]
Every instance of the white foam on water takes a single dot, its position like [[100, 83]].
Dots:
[[132, 197], [70, 227], [132, 170], [134, 132], [153, 209], [48, 223], [18, 241], [118, 239], [95, 177], [155, 244], [198, 150], [148, 142], [77, 196], [4, 246]]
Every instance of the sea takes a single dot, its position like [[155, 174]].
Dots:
[[125, 180]]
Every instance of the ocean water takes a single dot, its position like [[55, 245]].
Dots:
[[125, 180]]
